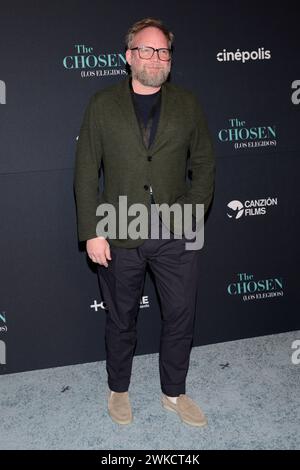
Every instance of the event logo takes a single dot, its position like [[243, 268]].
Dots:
[[250, 289], [296, 94], [236, 209], [241, 136], [3, 326], [296, 354], [91, 64], [243, 56], [2, 353], [96, 305], [144, 303], [2, 92]]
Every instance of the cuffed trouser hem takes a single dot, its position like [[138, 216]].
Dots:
[[173, 390], [118, 387]]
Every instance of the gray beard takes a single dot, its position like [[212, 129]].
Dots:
[[150, 80]]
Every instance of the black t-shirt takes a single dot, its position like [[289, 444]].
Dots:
[[144, 105]]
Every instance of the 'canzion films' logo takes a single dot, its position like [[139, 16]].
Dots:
[[92, 64], [249, 288], [236, 208], [241, 136]]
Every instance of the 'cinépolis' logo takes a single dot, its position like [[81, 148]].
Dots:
[[250, 207], [251, 289], [243, 56], [242, 136], [92, 64]]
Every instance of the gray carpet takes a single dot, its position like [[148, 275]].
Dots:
[[252, 401]]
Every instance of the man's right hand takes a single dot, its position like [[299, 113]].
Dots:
[[98, 250]]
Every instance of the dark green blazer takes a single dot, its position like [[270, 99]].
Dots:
[[110, 134]]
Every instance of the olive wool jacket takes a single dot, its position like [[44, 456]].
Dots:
[[110, 135]]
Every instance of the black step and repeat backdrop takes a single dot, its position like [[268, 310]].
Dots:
[[242, 61]]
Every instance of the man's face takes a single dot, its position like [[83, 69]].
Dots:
[[149, 72]]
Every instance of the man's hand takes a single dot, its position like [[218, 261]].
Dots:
[[98, 250]]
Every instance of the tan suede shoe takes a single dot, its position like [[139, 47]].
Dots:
[[119, 407], [187, 409]]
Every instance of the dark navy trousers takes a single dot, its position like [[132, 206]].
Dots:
[[175, 271]]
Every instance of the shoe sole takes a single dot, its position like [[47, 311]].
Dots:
[[121, 422], [200, 425]]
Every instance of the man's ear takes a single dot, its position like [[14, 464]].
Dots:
[[128, 56]]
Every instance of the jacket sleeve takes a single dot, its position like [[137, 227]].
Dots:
[[202, 163], [86, 174]]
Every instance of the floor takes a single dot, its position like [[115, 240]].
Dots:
[[249, 390]]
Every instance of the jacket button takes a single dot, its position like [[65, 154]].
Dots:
[[146, 187], [149, 159]]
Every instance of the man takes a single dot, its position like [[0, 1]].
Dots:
[[143, 129]]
